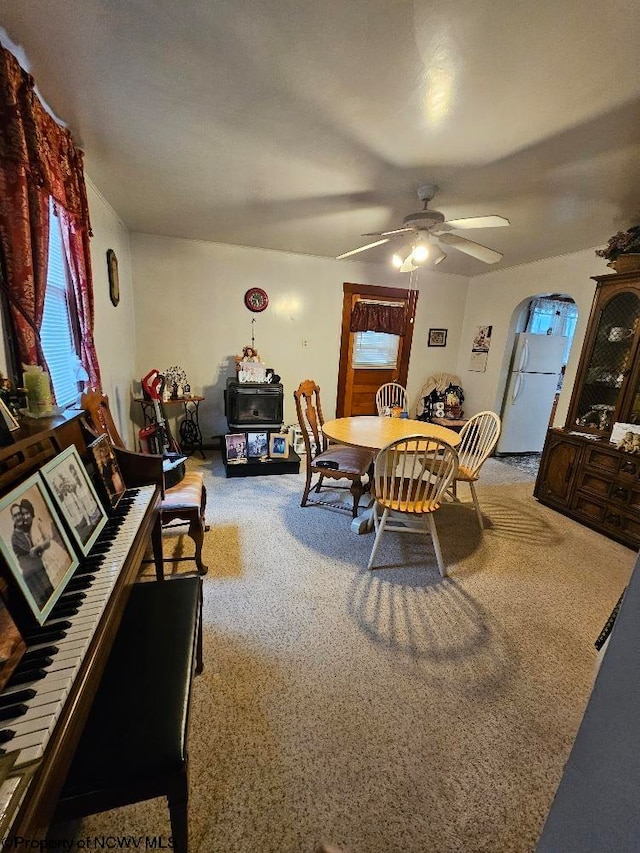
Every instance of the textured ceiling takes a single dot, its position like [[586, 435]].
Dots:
[[299, 125]]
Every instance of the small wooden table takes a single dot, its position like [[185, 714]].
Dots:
[[373, 433], [189, 429]]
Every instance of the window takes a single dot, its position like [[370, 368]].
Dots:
[[56, 333], [375, 350], [553, 316]]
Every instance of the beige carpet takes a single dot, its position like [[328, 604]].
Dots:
[[388, 711]]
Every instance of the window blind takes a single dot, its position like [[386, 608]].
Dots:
[[55, 333], [375, 350]]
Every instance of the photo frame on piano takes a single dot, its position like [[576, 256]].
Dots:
[[75, 496], [108, 470], [35, 546], [12, 645]]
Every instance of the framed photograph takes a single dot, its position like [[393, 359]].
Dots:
[[257, 444], [12, 645], [35, 546], [114, 279], [76, 497], [278, 446], [437, 338], [8, 417], [236, 444], [108, 470]]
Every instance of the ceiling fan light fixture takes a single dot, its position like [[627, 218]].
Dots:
[[420, 253], [396, 261]]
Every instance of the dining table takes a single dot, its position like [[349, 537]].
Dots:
[[373, 432]]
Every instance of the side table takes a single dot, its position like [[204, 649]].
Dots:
[[189, 432]]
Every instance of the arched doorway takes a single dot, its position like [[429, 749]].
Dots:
[[541, 333]]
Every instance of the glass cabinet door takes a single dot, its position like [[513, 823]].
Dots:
[[609, 365]]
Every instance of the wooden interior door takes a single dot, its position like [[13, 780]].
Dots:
[[357, 386]]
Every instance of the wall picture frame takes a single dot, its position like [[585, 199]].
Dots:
[[35, 545], [75, 496], [114, 278], [278, 445], [437, 338]]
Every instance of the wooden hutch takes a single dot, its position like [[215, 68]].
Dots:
[[582, 474]]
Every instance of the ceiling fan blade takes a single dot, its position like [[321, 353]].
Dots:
[[361, 249], [476, 250], [387, 233], [478, 222], [441, 257]]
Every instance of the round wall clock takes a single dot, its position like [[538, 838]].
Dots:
[[256, 299]]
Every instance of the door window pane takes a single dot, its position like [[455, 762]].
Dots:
[[375, 350]]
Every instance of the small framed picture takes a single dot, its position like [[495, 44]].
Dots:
[[76, 498], [437, 338], [257, 445], [236, 444], [35, 545], [8, 417], [111, 480], [278, 446]]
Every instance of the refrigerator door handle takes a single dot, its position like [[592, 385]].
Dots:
[[524, 356], [517, 388]]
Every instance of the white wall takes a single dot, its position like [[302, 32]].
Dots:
[[493, 298], [115, 327], [190, 311]]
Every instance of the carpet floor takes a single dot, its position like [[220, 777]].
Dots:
[[390, 711]]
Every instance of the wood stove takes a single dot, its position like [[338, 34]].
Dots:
[[253, 405]]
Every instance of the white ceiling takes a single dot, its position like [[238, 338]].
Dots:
[[301, 124]]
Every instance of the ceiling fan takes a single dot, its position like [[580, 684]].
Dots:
[[428, 231]]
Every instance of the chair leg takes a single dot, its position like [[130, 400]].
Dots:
[[477, 505], [319, 483], [178, 813], [436, 545], [379, 531], [356, 490], [196, 532], [307, 486]]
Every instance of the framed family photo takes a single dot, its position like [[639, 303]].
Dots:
[[437, 338], [236, 447], [12, 644], [257, 445], [75, 497], [111, 479], [35, 546], [278, 446]]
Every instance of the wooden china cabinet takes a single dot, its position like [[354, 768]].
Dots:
[[581, 473]]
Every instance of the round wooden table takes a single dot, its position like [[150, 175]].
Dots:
[[373, 432]]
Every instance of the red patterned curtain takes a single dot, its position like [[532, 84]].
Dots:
[[38, 160], [374, 317]]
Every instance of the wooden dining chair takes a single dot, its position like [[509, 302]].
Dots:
[[390, 395], [410, 478], [478, 437], [335, 461]]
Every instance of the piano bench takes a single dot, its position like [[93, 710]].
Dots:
[[134, 744]]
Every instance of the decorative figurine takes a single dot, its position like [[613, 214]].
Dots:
[[630, 443]]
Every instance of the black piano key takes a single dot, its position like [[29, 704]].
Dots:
[[10, 699], [13, 711], [6, 735], [33, 654], [80, 582], [26, 676]]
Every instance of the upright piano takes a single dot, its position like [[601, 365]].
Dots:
[[44, 705]]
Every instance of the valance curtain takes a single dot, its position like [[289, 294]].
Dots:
[[38, 160], [376, 317]]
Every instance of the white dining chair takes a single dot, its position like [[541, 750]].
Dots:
[[389, 395], [410, 478], [478, 437]]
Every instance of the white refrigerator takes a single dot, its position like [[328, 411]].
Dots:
[[532, 386]]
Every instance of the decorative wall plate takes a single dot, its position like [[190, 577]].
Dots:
[[256, 299]]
